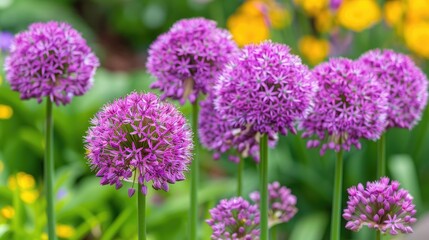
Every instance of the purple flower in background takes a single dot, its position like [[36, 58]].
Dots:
[[188, 58], [140, 137], [335, 4], [50, 59], [265, 88], [282, 203], [234, 219], [6, 39], [217, 133], [406, 83], [381, 206], [349, 105]]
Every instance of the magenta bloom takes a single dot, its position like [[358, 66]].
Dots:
[[349, 105], [381, 206], [6, 39], [266, 88], [188, 58], [234, 219], [140, 137], [406, 83], [50, 59], [217, 133], [282, 203]]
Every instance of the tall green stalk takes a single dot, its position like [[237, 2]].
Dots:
[[240, 176], [141, 212], [336, 205], [378, 235], [263, 179], [49, 171], [194, 175], [381, 156]]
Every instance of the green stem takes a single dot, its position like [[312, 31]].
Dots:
[[377, 235], [381, 156], [49, 171], [264, 186], [194, 175], [273, 231], [336, 206], [240, 176], [141, 212]]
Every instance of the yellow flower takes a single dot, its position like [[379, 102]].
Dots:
[[44, 236], [416, 36], [417, 10], [269, 10], [313, 49], [5, 111], [25, 181], [312, 7], [247, 29], [7, 212], [358, 15], [65, 231], [324, 21], [393, 11], [279, 17], [29, 196]]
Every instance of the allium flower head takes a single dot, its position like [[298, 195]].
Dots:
[[189, 57], [265, 87], [50, 59], [349, 105], [282, 203], [380, 205], [6, 39], [217, 133], [140, 137], [234, 219], [406, 83]]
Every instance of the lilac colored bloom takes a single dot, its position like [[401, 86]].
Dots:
[[188, 58], [282, 203], [50, 59], [349, 105], [266, 88], [217, 133], [381, 206], [406, 83], [140, 137], [6, 39], [335, 4], [234, 219]]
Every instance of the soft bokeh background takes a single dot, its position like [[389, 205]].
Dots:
[[120, 31]]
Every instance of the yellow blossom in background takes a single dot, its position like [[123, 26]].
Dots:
[[417, 10], [65, 231], [358, 15], [312, 7], [29, 196], [7, 212], [6, 111], [416, 36], [393, 12], [247, 29], [25, 181], [44, 236], [279, 17], [313, 49], [26, 185], [324, 21]]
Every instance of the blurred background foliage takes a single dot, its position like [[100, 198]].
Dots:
[[120, 31]]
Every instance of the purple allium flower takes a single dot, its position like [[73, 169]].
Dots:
[[349, 105], [406, 83], [234, 219], [188, 58], [50, 59], [217, 133], [381, 206], [282, 203], [6, 39], [266, 88], [335, 4], [140, 137]]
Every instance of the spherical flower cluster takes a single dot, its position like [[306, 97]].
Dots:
[[50, 59], [139, 137], [234, 219], [266, 88], [188, 58], [349, 105], [282, 203], [406, 83], [216, 133], [381, 206]]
